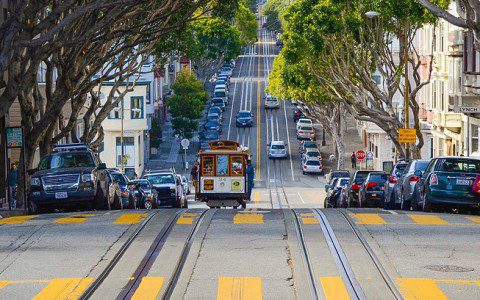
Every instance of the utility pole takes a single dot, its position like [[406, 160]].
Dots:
[[122, 168], [407, 104]]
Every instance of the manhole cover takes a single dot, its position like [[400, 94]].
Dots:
[[448, 268]]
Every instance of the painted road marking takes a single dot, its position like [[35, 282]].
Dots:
[[334, 288], [428, 220], [74, 219], [186, 218], [17, 219], [148, 288], [239, 288], [308, 218], [474, 219], [64, 288], [126, 219], [420, 289], [253, 218], [369, 219], [4, 283]]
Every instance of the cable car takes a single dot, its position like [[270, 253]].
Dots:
[[222, 179]]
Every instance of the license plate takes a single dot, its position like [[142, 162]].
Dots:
[[463, 182], [374, 195], [61, 195]]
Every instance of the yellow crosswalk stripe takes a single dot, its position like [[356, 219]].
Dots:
[[126, 219], [308, 219], [252, 218], [474, 219], [369, 219], [428, 220], [148, 288], [17, 219], [334, 288], [189, 215], [4, 283], [239, 288], [420, 289], [64, 288], [185, 221], [74, 219]]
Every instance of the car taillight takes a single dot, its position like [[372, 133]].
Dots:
[[124, 193], [392, 179], [414, 179], [476, 185], [321, 167], [371, 184], [433, 179], [304, 167], [355, 187]]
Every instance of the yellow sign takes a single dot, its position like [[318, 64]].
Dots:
[[236, 185], [407, 136]]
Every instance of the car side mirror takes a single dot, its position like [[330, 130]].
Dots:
[[32, 171], [102, 166], [418, 173]]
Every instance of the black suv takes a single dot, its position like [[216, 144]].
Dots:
[[72, 175], [168, 186]]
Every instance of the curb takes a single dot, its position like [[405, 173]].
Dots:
[[12, 213]]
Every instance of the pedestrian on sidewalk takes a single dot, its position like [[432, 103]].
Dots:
[[250, 171], [353, 159], [12, 181], [194, 175]]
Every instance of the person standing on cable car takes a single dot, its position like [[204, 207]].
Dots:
[[250, 171]]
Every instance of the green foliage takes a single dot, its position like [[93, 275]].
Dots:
[[155, 133], [245, 22], [186, 103]]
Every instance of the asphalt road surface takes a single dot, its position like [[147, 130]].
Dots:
[[283, 246]]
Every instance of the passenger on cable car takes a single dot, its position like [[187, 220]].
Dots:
[[250, 171]]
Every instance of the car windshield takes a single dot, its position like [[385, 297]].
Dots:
[[343, 182], [272, 100], [400, 168], [341, 174], [143, 183], [243, 115], [278, 147], [313, 163], [213, 117], [215, 110], [217, 101], [211, 124], [361, 174], [66, 160], [313, 153], [118, 177], [160, 178], [421, 165], [305, 121], [307, 128], [310, 145], [219, 94], [378, 177], [459, 165]]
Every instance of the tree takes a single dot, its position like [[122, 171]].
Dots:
[[343, 50], [186, 103], [468, 11]]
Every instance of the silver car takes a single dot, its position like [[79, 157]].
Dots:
[[389, 200], [403, 189], [312, 165], [277, 149]]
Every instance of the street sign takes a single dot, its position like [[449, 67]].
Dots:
[[369, 155], [467, 109], [14, 137], [185, 143], [360, 154], [407, 136]]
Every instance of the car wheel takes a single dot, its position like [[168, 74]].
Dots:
[[34, 208], [304, 173], [426, 206], [414, 201], [148, 205]]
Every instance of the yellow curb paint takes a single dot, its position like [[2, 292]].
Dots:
[[420, 289], [189, 215], [126, 219], [309, 221], [428, 220], [256, 196], [74, 219], [248, 219], [185, 221], [474, 219], [4, 283], [64, 288], [311, 215], [334, 288], [239, 288], [369, 219], [16, 220], [149, 288]]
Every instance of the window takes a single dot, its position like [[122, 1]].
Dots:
[[136, 107], [377, 79], [474, 135], [237, 165], [116, 112], [148, 95], [207, 165], [128, 151], [442, 95], [222, 165], [434, 96]]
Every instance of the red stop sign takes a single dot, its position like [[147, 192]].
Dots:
[[360, 154]]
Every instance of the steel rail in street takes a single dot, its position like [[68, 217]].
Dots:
[[388, 280]]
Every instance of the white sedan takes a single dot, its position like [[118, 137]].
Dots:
[[304, 122], [312, 165]]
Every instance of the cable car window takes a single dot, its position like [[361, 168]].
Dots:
[[207, 165], [222, 165], [237, 165]]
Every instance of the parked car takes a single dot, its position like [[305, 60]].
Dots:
[[303, 122], [335, 174], [272, 103], [213, 125], [126, 193], [448, 182], [349, 195], [403, 188], [277, 149], [226, 70], [312, 152], [312, 166], [216, 110], [169, 188], [332, 198], [244, 118], [297, 115], [213, 117], [218, 102], [306, 132], [306, 145], [72, 175], [372, 190], [146, 195], [389, 199], [220, 94]]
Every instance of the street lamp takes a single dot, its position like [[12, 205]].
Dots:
[[372, 14]]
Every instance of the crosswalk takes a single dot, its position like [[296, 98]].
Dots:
[[243, 288]]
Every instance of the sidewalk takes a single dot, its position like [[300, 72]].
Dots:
[[353, 142]]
